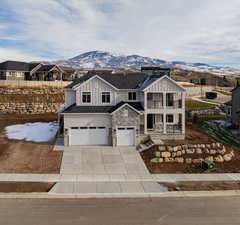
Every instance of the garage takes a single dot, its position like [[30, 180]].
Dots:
[[86, 136], [126, 136]]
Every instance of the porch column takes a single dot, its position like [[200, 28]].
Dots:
[[164, 100], [183, 123], [164, 124], [145, 114]]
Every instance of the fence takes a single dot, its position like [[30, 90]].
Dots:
[[33, 84]]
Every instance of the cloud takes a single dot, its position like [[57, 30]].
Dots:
[[197, 31], [18, 55]]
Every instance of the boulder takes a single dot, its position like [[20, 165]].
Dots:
[[188, 160], [162, 148], [169, 159], [218, 145], [199, 151], [219, 159], [210, 158], [190, 151], [166, 154], [158, 154], [213, 152], [170, 148], [175, 148], [179, 153], [183, 152], [154, 160], [227, 157], [179, 160], [208, 146], [174, 154], [197, 161], [206, 150], [221, 151]]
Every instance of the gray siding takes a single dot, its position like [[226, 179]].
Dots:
[[70, 97]]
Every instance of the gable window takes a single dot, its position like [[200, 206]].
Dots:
[[86, 97], [170, 118], [105, 97], [132, 96]]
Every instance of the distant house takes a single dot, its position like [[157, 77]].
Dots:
[[14, 70], [149, 70], [236, 106]]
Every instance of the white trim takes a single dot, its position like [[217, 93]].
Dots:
[[106, 103], [93, 77], [170, 79], [86, 103], [126, 104]]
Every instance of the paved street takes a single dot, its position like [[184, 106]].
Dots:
[[164, 211]]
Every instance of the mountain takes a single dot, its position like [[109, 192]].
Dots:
[[106, 60]]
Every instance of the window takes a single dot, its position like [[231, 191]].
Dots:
[[105, 97], [169, 99], [86, 97], [170, 118], [132, 96]]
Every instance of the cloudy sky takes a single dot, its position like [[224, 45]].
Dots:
[[195, 31]]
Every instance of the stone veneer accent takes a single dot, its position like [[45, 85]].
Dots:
[[120, 120]]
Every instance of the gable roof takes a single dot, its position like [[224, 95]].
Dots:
[[15, 66], [46, 68], [102, 109], [118, 80], [33, 65], [152, 79]]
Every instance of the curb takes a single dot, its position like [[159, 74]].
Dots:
[[120, 195]]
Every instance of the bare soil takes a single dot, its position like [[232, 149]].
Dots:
[[202, 186], [25, 187], [27, 157], [193, 136]]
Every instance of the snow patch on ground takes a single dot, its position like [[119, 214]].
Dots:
[[36, 132]]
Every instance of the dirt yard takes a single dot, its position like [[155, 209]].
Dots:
[[25, 187], [202, 186], [27, 157], [193, 136]]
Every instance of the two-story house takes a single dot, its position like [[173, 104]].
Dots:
[[123, 109]]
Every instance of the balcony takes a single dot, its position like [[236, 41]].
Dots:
[[159, 105]]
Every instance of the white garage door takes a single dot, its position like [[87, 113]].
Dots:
[[88, 136], [126, 136]]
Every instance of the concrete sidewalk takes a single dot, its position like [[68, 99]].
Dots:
[[118, 177]]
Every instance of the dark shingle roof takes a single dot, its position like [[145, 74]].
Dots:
[[33, 65], [14, 65], [46, 68], [101, 109], [118, 80], [135, 105]]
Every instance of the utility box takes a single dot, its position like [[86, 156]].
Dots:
[[208, 165]]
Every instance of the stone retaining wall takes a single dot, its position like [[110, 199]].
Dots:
[[214, 152]]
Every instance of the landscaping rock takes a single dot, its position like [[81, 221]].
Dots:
[[188, 160], [158, 154], [179, 153], [166, 154], [174, 154], [170, 148], [162, 148], [199, 151], [190, 151], [213, 152], [179, 160], [197, 161], [169, 159], [219, 159], [210, 158], [227, 157]]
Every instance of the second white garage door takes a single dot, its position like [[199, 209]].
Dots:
[[88, 136], [126, 136]]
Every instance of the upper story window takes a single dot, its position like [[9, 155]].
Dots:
[[106, 97], [132, 96], [170, 99], [86, 97]]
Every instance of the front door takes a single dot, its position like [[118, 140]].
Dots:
[[150, 121]]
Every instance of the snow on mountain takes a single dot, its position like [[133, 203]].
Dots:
[[108, 60]]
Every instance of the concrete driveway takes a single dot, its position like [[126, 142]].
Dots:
[[102, 161]]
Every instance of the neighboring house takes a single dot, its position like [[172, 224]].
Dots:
[[47, 73], [13, 70], [123, 109], [69, 73], [228, 110], [236, 106], [149, 70]]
